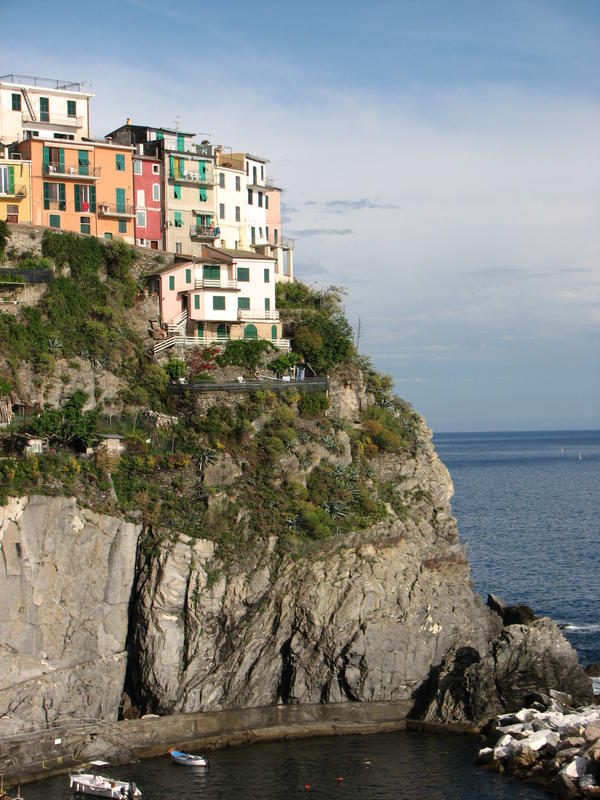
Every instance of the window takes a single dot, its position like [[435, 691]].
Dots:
[[249, 197], [120, 162], [275, 235], [273, 331], [122, 226], [262, 172], [222, 330], [260, 236], [7, 180], [202, 170], [176, 191], [267, 232], [120, 196], [188, 276], [172, 282], [156, 191], [260, 199], [180, 143], [254, 178], [137, 167], [202, 195], [108, 235], [159, 136], [140, 198], [247, 167], [54, 221], [200, 329], [266, 201], [196, 301], [177, 219], [211, 272], [71, 108], [219, 302], [237, 213], [178, 247], [84, 224], [238, 183], [85, 198], [243, 274], [54, 196], [221, 180], [266, 275], [44, 109], [53, 160], [16, 102], [244, 303], [141, 219], [253, 235], [221, 210], [83, 162], [155, 167], [267, 304]]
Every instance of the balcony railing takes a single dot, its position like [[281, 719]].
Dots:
[[204, 232], [215, 283], [251, 314], [115, 210], [47, 118], [18, 191], [45, 83], [83, 171], [189, 176]]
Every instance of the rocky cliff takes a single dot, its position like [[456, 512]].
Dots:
[[386, 613]]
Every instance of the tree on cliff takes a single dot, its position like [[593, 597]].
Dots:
[[69, 426]]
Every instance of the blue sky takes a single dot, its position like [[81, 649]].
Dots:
[[439, 159]]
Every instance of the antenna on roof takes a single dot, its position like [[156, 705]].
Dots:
[[177, 122]]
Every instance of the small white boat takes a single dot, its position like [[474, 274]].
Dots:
[[99, 786], [188, 759]]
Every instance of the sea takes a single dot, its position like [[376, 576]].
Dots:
[[527, 507]]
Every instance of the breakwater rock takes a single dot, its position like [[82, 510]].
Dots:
[[549, 742]]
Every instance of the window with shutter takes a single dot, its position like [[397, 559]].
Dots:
[[244, 303], [172, 282], [218, 303], [196, 301], [71, 108], [243, 274], [188, 276]]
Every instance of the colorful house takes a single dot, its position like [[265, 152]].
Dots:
[[147, 192], [15, 189], [85, 187], [223, 294], [34, 107]]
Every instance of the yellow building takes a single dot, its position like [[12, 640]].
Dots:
[[15, 189]]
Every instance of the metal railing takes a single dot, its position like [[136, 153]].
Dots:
[[189, 176], [247, 314], [177, 324], [204, 232], [18, 191], [204, 341], [70, 171], [276, 385], [54, 119], [116, 210], [215, 283], [45, 83]]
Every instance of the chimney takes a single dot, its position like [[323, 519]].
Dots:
[[128, 121]]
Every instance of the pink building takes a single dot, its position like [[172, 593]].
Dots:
[[147, 191]]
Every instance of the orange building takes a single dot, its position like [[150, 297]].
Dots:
[[84, 186]]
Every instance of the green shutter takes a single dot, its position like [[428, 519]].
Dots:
[[273, 331], [11, 180], [159, 136], [244, 303], [243, 274], [177, 218], [250, 332], [44, 109], [71, 108], [171, 167], [202, 195], [218, 303], [122, 226], [83, 161], [267, 304], [61, 160], [180, 143], [77, 190], [46, 159], [54, 221], [62, 200], [211, 272], [196, 301], [266, 275], [188, 276], [222, 331], [93, 199], [176, 191], [121, 201], [202, 170], [120, 162], [46, 195], [200, 329], [171, 282]]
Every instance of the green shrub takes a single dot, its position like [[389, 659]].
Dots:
[[31, 261], [245, 353], [69, 426], [283, 363], [4, 236], [175, 369], [5, 387], [312, 404]]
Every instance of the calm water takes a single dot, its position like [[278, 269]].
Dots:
[[527, 505], [403, 765]]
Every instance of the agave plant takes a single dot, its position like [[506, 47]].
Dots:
[[335, 509], [54, 344]]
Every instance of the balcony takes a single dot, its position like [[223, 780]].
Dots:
[[215, 283], [83, 172], [63, 120], [18, 192], [190, 177], [257, 315], [116, 210], [204, 232]]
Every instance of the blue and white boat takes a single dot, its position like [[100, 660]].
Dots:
[[188, 759]]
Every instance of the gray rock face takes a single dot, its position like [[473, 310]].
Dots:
[[65, 584]]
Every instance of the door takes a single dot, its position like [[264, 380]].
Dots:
[[250, 332], [222, 330]]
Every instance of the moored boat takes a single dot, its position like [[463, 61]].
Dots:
[[100, 786], [188, 759]]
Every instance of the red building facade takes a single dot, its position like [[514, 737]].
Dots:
[[147, 191]]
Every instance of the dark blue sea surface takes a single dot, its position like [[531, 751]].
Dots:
[[527, 505], [393, 766]]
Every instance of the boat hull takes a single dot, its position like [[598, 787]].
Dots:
[[99, 786]]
